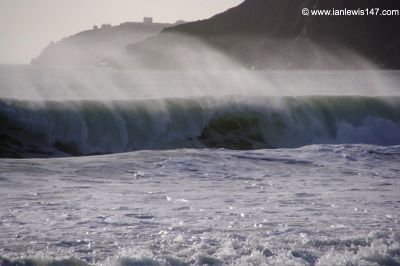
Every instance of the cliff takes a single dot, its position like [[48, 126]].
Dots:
[[97, 46], [273, 34]]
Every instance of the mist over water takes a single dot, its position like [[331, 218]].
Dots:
[[191, 68], [33, 83]]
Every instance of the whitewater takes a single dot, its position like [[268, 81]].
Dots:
[[106, 167]]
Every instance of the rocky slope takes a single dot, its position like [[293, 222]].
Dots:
[[273, 34]]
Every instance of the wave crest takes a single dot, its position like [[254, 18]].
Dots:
[[59, 128]]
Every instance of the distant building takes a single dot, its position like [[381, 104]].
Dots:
[[104, 26], [148, 20]]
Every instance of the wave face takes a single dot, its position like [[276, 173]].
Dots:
[[62, 128]]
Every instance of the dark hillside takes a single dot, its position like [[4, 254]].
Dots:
[[274, 34]]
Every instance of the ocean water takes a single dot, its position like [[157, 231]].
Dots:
[[307, 176]]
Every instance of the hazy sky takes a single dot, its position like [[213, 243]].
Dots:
[[27, 26]]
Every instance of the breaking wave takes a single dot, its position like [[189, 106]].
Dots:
[[63, 128]]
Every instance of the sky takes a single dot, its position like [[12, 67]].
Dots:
[[27, 26]]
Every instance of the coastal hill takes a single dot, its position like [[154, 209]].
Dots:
[[273, 34], [99, 45]]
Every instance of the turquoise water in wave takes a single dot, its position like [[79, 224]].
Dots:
[[70, 128]]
